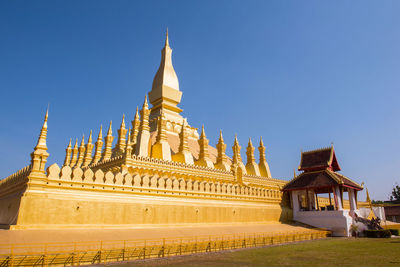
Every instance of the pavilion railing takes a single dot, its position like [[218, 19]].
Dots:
[[84, 253]]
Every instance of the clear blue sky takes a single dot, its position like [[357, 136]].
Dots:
[[302, 74]]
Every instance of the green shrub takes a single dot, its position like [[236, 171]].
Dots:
[[394, 231], [377, 233]]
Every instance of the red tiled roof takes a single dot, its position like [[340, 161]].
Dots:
[[319, 159], [319, 180]]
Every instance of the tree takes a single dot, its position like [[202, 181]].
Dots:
[[395, 193]]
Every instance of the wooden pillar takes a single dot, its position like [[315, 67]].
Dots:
[[316, 197], [355, 196]]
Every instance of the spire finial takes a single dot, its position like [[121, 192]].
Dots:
[[236, 140], [145, 104], [69, 145], [100, 136], [43, 133], [47, 115], [220, 136], [90, 137], [110, 129], [261, 141], [123, 121], [250, 143], [83, 140], [203, 133], [166, 38]]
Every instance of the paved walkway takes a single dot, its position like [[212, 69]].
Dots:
[[82, 235]]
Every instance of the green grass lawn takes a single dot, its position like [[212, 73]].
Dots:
[[335, 252]]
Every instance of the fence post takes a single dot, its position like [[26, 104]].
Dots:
[[100, 251], [144, 250], [44, 255], [12, 255], [123, 251], [163, 248]]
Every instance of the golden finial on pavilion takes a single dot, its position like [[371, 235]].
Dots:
[[368, 199]]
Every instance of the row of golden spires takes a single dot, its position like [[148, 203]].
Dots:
[[137, 143]]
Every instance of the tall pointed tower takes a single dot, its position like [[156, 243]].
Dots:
[[165, 94]]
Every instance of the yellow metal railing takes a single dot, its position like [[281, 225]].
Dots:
[[83, 253]]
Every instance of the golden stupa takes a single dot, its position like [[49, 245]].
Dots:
[[161, 171]]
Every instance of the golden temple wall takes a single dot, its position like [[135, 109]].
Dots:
[[83, 199], [11, 190]]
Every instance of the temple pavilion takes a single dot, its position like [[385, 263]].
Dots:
[[320, 177]]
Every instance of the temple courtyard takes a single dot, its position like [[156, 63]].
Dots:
[[327, 252]]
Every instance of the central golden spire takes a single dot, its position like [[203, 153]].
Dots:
[[165, 94]]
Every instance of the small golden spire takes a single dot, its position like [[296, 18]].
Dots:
[[203, 134], [121, 144], [108, 143], [43, 133], [145, 104], [123, 122], [221, 139], [109, 133], [83, 141], [222, 159], [135, 127], [263, 165], [90, 137], [39, 155], [100, 136], [68, 154], [99, 145], [81, 152], [128, 150], [74, 154], [204, 156], [137, 113], [88, 153], [250, 144]]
